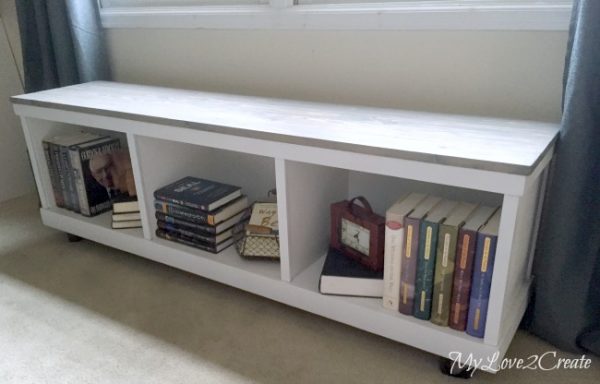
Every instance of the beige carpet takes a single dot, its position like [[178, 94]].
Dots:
[[84, 313]]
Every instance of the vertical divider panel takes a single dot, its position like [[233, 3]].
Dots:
[[310, 190], [33, 139], [283, 218], [139, 184]]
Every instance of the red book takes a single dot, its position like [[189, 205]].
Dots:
[[463, 267]]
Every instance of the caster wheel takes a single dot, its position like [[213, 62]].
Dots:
[[448, 368], [73, 238]]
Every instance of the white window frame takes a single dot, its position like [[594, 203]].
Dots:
[[535, 15]]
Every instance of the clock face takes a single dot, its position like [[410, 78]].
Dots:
[[355, 236]]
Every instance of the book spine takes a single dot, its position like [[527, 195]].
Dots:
[[53, 173], [408, 267], [482, 279], [79, 179], [394, 236], [461, 287], [184, 203], [185, 224], [167, 236], [444, 271], [68, 176], [425, 268], [184, 213], [61, 174], [207, 237]]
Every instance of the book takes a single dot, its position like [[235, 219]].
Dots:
[[214, 248], [487, 237], [463, 267], [426, 255], [59, 198], [444, 262], [343, 276], [64, 185], [214, 229], [194, 235], [394, 239], [127, 224], [94, 171], [126, 216], [124, 204], [408, 265], [199, 216], [198, 194]]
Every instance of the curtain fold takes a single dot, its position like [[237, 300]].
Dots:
[[566, 305], [63, 43]]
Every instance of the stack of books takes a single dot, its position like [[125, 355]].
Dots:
[[200, 213], [126, 213], [87, 170]]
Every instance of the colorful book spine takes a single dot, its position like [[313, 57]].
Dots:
[[444, 271], [461, 287], [185, 213], [394, 239], [425, 270], [408, 268], [199, 236], [482, 280]]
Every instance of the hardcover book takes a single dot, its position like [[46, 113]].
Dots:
[[408, 267], [199, 216], [126, 216], [214, 248], [344, 276], [195, 235], [126, 224], [463, 266], [94, 174], [487, 237], [444, 262], [214, 229], [428, 246], [125, 204], [199, 194], [394, 240]]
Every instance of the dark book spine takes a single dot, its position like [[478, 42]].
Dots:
[[72, 198], [444, 271], [172, 237], [482, 280], [463, 268], [183, 203], [53, 173], [425, 269], [185, 224], [198, 236], [61, 174], [408, 267], [182, 212]]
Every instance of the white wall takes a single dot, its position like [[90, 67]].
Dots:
[[505, 74], [16, 178]]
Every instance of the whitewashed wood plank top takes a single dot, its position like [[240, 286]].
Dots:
[[507, 146]]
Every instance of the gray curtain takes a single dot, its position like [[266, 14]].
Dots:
[[566, 305], [63, 43]]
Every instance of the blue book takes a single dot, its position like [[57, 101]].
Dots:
[[487, 237], [342, 275]]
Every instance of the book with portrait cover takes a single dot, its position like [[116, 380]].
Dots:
[[93, 168], [202, 194]]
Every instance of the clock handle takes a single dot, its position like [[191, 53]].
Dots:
[[364, 202]]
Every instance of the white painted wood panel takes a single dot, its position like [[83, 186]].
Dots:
[[472, 142]]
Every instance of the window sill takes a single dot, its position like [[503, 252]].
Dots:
[[418, 15]]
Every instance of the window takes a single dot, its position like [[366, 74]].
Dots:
[[338, 14]]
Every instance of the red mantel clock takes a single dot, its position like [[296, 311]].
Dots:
[[358, 232]]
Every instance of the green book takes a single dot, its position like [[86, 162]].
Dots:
[[428, 237], [444, 262]]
